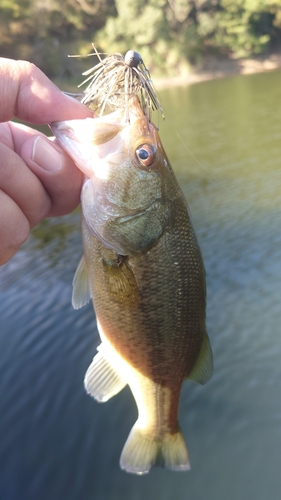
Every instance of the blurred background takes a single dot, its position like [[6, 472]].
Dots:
[[174, 36], [223, 138]]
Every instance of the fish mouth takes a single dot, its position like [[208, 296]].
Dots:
[[115, 118], [93, 142], [92, 130], [97, 144]]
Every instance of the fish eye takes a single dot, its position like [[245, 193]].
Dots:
[[146, 154]]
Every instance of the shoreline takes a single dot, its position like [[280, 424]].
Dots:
[[213, 68]]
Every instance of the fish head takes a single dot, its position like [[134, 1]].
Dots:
[[120, 152], [124, 163]]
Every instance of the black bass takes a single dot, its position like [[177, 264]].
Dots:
[[143, 268]]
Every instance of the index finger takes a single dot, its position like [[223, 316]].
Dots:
[[28, 94]]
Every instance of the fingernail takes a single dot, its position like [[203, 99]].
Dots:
[[46, 156], [79, 105]]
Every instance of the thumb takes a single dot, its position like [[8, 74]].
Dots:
[[60, 177]]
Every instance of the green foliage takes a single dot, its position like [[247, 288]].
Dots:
[[160, 30], [244, 27], [45, 31], [171, 35]]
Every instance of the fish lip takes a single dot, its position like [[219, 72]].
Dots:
[[114, 117], [53, 125], [68, 128], [58, 127]]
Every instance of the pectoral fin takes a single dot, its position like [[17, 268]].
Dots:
[[120, 281], [101, 379], [81, 293], [202, 370]]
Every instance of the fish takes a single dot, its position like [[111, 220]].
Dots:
[[143, 269]]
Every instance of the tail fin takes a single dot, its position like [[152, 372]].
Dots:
[[142, 451]]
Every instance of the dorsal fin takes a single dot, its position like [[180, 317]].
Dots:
[[202, 370], [81, 293]]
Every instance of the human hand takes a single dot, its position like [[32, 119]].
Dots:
[[37, 179]]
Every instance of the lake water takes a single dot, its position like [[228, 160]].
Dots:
[[223, 138]]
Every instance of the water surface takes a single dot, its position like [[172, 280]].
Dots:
[[224, 141]]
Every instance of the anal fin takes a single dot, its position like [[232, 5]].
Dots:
[[101, 379]]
